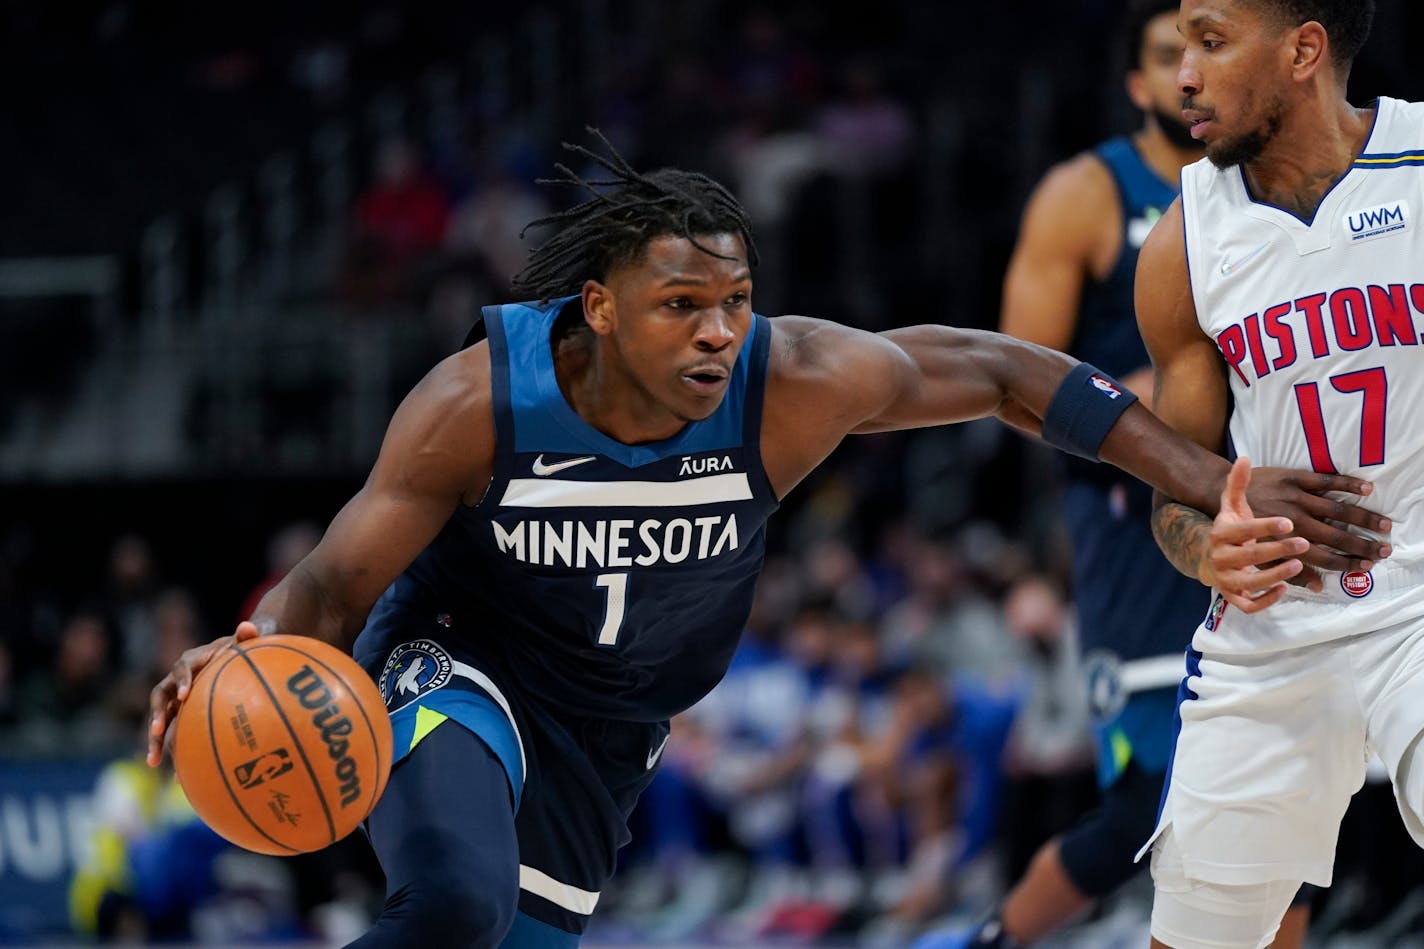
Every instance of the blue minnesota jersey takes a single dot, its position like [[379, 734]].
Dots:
[[1136, 613], [604, 579]]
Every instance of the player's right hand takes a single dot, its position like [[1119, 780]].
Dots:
[[1250, 559], [1304, 498], [172, 689]]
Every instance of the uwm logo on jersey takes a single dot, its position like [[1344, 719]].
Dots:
[[1378, 221]]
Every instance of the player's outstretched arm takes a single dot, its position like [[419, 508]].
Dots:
[[1191, 397], [438, 453], [956, 374], [827, 381]]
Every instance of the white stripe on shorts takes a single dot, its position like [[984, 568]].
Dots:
[[1158, 672], [563, 895]]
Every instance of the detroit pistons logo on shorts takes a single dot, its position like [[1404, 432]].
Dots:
[[1357, 583], [414, 669], [1213, 617]]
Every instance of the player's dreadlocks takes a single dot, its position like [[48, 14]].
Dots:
[[614, 227]]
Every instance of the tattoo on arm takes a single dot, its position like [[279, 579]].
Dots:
[[1181, 532]]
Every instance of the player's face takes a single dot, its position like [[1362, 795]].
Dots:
[[1153, 85], [680, 316], [1231, 79]]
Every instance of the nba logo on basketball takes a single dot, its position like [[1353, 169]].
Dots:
[[273, 764], [1357, 583]]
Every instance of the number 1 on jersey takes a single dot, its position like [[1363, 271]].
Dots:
[[1373, 385], [617, 606]]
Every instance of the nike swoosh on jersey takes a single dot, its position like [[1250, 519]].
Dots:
[[542, 470], [657, 752], [1229, 267]]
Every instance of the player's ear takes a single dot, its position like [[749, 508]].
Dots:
[[1136, 83], [1310, 50], [598, 309]]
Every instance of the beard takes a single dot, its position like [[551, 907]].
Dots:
[[1229, 152], [1178, 133]]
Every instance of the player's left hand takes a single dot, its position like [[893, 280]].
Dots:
[[1301, 497], [1249, 559]]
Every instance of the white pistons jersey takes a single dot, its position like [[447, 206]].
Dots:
[[1320, 324]]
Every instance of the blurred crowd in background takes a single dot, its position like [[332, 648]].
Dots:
[[236, 236]]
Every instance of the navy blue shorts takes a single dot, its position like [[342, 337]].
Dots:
[[574, 780]]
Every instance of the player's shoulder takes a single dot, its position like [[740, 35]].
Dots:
[[1398, 132], [1075, 182], [458, 387], [1411, 114], [1073, 208]]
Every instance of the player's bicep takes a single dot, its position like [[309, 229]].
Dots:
[[939, 375], [1190, 388]]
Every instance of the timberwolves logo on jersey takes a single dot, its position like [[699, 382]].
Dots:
[[1139, 227], [413, 670], [1106, 692]]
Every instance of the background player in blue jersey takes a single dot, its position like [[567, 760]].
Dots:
[[557, 546], [1069, 286]]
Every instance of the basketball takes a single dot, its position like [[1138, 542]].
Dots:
[[283, 745]]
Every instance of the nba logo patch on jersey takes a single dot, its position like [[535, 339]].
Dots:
[[1218, 609], [1380, 221], [414, 669], [1357, 583]]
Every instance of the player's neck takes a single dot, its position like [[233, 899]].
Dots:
[[600, 390], [1314, 148]]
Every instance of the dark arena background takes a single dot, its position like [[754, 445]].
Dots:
[[233, 235]]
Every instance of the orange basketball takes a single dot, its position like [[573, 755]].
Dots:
[[283, 745]]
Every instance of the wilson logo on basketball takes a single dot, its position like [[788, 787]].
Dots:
[[315, 696], [1356, 583]]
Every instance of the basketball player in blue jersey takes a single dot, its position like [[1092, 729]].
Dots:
[[1069, 287], [556, 549]]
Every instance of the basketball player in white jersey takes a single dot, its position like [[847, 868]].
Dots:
[[1281, 300]]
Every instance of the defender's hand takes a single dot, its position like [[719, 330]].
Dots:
[[1299, 496], [1241, 545], [172, 689]]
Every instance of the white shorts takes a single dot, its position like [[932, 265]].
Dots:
[[1273, 746]]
